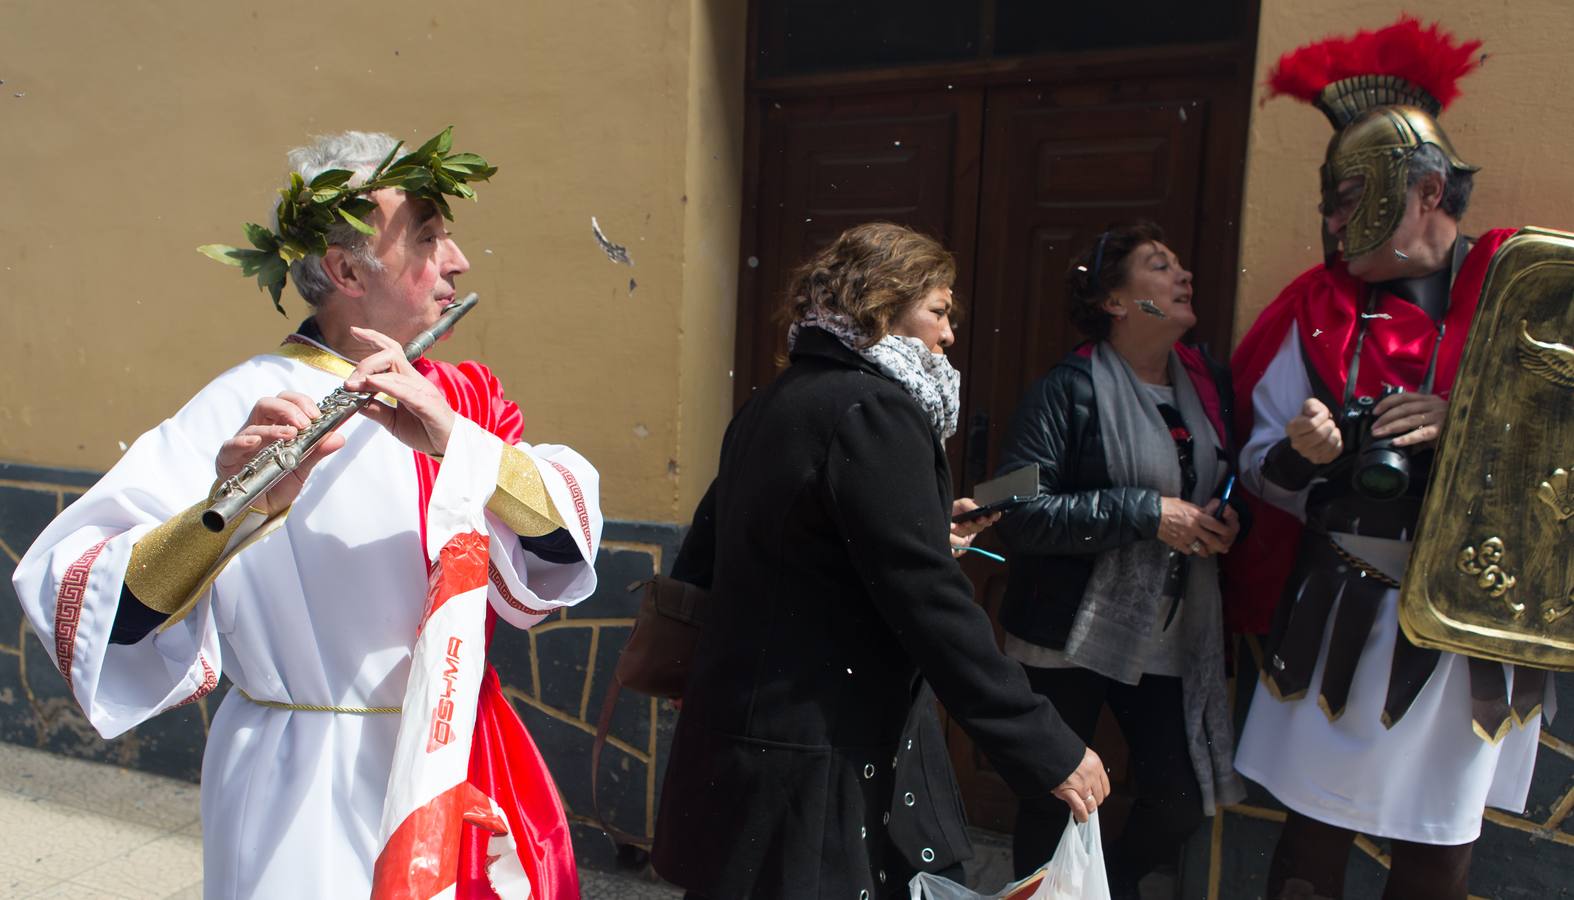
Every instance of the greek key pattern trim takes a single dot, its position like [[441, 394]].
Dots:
[[498, 582], [579, 500], [68, 606], [210, 680]]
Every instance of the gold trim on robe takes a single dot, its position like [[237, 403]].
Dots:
[[172, 559], [174, 564], [268, 526], [521, 498], [316, 357], [308, 354]]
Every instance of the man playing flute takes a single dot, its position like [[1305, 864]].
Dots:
[[367, 749]]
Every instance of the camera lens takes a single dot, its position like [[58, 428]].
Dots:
[[1382, 473]]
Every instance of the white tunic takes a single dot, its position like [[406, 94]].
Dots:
[[1429, 778], [322, 611]]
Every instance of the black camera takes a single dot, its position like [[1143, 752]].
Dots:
[[1380, 471]]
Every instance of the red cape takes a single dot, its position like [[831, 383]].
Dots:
[[1325, 302], [504, 762]]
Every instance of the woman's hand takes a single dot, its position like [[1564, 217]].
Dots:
[[1086, 787], [962, 533], [1232, 522], [1192, 529]]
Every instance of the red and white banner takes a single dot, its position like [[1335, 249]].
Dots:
[[430, 798]]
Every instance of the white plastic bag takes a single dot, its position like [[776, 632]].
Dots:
[[1075, 873], [1077, 870]]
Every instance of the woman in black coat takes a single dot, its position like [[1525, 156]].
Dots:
[[826, 544], [1113, 594]]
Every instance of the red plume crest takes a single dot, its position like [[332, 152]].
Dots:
[[1427, 57]]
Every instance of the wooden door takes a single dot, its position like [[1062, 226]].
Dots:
[[1013, 165], [829, 163], [1060, 165]]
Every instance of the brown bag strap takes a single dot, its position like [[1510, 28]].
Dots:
[[603, 727]]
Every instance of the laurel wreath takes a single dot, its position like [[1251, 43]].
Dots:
[[307, 211]]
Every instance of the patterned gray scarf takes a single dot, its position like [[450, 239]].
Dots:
[[1121, 606], [927, 377]]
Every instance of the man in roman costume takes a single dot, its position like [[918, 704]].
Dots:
[[1354, 728], [351, 606]]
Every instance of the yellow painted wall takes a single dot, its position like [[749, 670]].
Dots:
[[134, 131], [711, 218], [1515, 120]]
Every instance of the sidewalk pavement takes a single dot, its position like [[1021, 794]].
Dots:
[[86, 831], [78, 830]]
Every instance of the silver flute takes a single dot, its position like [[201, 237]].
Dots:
[[280, 458]]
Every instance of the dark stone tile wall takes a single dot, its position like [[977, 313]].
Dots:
[[556, 675]]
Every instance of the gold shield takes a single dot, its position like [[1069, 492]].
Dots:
[[1492, 573]]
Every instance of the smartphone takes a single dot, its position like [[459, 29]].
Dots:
[[1224, 497], [1000, 494], [991, 508]]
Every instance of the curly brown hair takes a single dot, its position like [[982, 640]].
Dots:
[[870, 274], [1100, 268]]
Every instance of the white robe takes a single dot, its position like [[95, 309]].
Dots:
[[1429, 778], [322, 611]]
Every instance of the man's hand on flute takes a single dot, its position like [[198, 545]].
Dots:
[[423, 420], [277, 418]]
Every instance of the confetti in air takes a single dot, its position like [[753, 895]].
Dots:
[[615, 252]]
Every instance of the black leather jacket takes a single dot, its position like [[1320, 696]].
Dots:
[[1055, 538]]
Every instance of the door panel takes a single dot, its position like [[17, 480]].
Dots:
[[1013, 177], [1058, 169], [1070, 174], [831, 163], [1054, 178]]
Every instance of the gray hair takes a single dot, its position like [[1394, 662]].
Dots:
[[1457, 184], [359, 152]]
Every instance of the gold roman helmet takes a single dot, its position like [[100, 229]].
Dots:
[[1382, 92]]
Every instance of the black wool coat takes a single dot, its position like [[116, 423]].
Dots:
[[824, 543]]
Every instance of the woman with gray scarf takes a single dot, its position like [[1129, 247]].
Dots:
[[1113, 595], [807, 761]]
